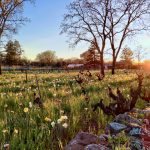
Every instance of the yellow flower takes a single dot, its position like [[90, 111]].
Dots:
[[5, 131], [47, 119], [16, 131], [63, 118], [26, 109], [59, 121]]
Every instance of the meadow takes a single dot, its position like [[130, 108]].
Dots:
[[65, 112]]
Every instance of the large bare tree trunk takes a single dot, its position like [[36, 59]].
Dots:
[[0, 69], [102, 65], [113, 67], [113, 64]]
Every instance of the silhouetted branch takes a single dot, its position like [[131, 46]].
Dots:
[[121, 104]]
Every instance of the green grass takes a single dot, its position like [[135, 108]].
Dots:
[[61, 96]]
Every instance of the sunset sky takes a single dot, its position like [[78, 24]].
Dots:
[[42, 33]]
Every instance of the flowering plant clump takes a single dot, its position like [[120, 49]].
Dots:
[[65, 125], [5, 131], [53, 124], [62, 120], [47, 119], [30, 104], [16, 131], [26, 109]]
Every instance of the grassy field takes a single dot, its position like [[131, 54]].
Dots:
[[66, 112]]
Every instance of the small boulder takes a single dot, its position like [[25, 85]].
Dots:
[[135, 131], [146, 137], [81, 140], [95, 147], [136, 144], [115, 127], [146, 111], [126, 119], [104, 139]]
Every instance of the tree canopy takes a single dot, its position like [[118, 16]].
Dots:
[[46, 57], [127, 56], [13, 52]]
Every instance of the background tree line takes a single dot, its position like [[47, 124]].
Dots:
[[13, 55]]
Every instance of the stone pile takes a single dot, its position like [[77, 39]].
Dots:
[[135, 125]]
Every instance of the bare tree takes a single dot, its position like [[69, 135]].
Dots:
[[11, 17], [86, 21], [127, 18], [139, 55]]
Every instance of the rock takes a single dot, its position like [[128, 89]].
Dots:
[[146, 111], [145, 138], [136, 110], [126, 119], [116, 127], [136, 144], [148, 104], [146, 144], [146, 131], [147, 123], [81, 140], [74, 146], [95, 147], [138, 130], [135, 131], [104, 139], [134, 125]]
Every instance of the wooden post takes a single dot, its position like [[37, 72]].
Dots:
[[26, 76]]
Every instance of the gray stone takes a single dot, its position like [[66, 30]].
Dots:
[[136, 144], [74, 146], [116, 127], [146, 111], [103, 137], [136, 131], [95, 147], [81, 140], [126, 119], [148, 104]]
